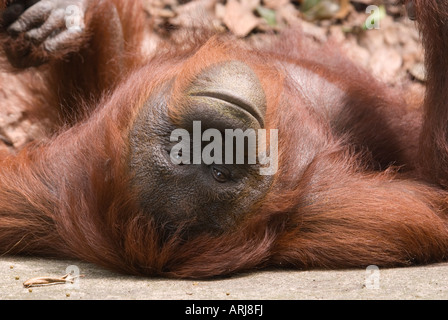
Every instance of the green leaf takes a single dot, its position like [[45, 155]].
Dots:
[[268, 15]]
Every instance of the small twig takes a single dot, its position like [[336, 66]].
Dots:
[[50, 281]]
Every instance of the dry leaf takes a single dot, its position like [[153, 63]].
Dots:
[[387, 72], [275, 4], [418, 71], [344, 9], [194, 14], [49, 281], [239, 17]]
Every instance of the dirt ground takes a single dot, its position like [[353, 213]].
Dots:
[[392, 52]]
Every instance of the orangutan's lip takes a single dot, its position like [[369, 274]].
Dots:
[[237, 101]]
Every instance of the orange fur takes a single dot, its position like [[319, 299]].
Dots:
[[329, 205]]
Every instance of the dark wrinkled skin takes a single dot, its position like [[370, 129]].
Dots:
[[225, 96]]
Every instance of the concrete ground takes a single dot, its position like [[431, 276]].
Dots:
[[428, 282]]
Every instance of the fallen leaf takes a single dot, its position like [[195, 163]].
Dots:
[[240, 18], [275, 4], [320, 9], [418, 71], [344, 9], [49, 281]]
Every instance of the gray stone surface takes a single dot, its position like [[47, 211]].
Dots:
[[427, 282]]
